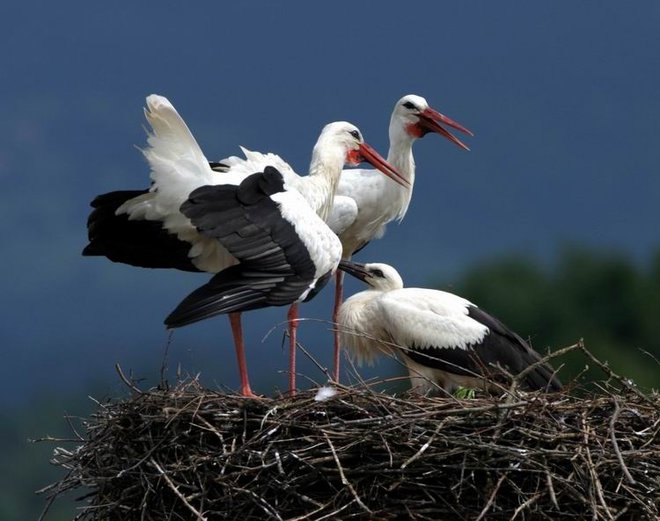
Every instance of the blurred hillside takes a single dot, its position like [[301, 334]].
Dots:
[[609, 300]]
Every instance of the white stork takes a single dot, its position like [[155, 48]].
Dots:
[[365, 202], [256, 224], [444, 339]]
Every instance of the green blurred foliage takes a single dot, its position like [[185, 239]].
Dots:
[[605, 298]]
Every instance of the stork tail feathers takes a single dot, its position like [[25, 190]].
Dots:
[[139, 243]]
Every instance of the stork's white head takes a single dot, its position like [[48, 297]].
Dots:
[[379, 276], [407, 109], [341, 143], [413, 116], [340, 139]]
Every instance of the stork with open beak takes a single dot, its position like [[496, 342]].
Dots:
[[366, 202]]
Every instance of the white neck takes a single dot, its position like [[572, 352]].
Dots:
[[320, 185], [400, 156]]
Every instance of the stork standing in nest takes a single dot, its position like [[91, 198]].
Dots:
[[366, 202]]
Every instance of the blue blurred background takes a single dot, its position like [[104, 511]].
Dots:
[[563, 98]]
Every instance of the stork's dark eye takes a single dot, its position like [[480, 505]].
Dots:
[[377, 273], [410, 105], [355, 134]]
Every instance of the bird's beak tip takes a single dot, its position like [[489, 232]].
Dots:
[[431, 120]]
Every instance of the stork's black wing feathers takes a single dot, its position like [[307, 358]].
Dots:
[[275, 267], [228, 291], [136, 242], [500, 347], [521, 355]]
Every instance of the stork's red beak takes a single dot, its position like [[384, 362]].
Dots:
[[429, 121], [366, 153]]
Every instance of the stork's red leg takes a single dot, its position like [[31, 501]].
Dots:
[[293, 326], [339, 297], [235, 321]]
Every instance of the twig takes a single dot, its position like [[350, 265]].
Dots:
[[491, 498], [615, 415], [172, 486], [260, 501], [318, 365], [611, 374], [126, 380], [592, 471], [163, 365], [345, 481], [524, 505], [423, 447], [551, 489]]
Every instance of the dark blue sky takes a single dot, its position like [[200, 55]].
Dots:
[[563, 98]]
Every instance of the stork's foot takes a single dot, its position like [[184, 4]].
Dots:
[[246, 392]]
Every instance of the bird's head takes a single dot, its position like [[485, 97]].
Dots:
[[413, 115], [343, 141], [375, 274]]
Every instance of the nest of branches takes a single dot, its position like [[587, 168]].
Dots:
[[191, 453]]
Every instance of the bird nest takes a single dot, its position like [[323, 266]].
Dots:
[[192, 453]]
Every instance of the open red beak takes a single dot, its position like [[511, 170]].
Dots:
[[366, 153], [430, 121]]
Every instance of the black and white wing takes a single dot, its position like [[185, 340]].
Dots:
[[285, 251], [504, 347], [446, 332]]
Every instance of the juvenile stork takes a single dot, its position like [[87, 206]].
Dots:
[[366, 202], [445, 340], [256, 223]]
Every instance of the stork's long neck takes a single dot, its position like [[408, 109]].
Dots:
[[401, 157], [320, 185]]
